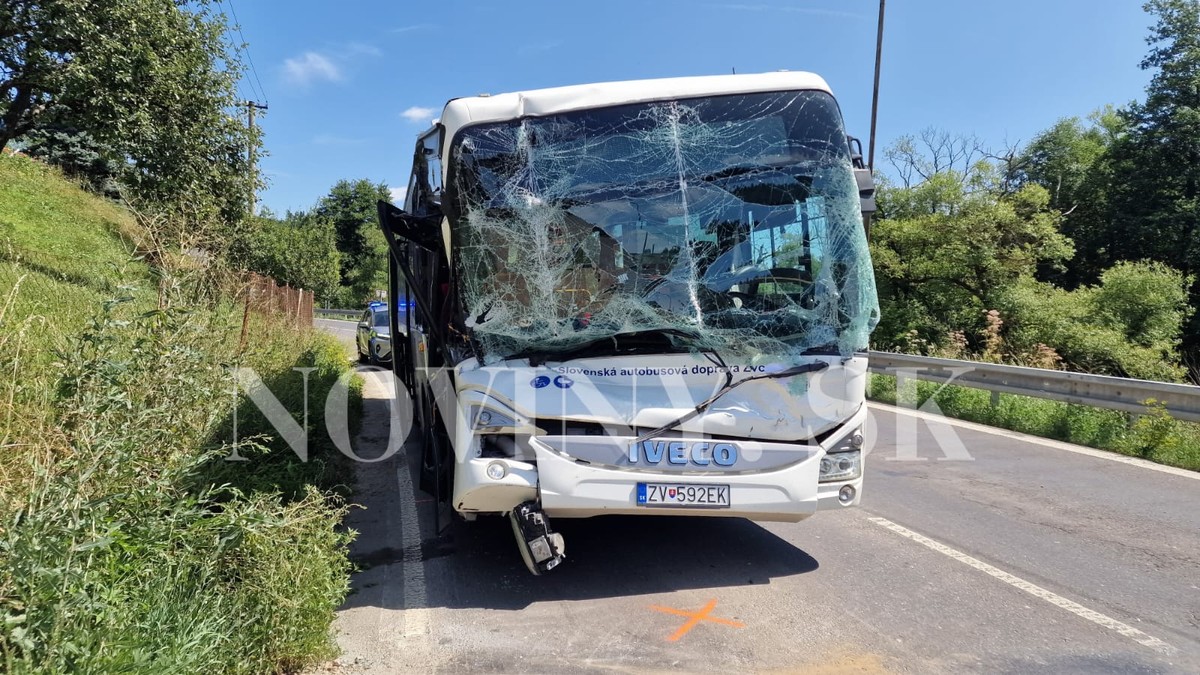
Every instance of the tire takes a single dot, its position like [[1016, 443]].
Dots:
[[362, 358]]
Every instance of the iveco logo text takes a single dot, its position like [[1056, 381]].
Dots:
[[700, 453]]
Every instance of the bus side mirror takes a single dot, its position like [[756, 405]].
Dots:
[[856, 156], [866, 194], [424, 231]]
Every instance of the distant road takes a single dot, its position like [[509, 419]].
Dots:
[[1027, 558], [343, 330]]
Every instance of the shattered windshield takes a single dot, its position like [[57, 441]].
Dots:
[[733, 218]]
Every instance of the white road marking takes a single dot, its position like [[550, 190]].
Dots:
[[1038, 440], [1032, 589], [416, 619]]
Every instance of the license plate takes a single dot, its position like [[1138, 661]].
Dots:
[[689, 496]]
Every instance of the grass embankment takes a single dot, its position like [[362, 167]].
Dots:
[[1153, 435], [126, 542]]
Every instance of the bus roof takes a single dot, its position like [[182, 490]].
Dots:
[[461, 112]]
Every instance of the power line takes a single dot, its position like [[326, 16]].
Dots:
[[244, 48]]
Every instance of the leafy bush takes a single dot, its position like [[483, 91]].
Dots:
[[1147, 301], [1111, 329]]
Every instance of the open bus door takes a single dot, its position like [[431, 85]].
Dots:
[[416, 270]]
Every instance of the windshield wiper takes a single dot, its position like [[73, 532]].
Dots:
[[729, 386]]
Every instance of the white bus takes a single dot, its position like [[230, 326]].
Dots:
[[649, 297]]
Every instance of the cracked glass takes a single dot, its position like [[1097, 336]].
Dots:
[[728, 223]]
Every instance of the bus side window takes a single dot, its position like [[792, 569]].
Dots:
[[433, 167], [425, 187]]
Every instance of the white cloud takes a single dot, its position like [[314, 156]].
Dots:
[[311, 67], [362, 49], [418, 114], [398, 195]]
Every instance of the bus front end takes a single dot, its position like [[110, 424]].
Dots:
[[656, 299]]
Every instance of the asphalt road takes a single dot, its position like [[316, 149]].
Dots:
[[1030, 557], [343, 330]]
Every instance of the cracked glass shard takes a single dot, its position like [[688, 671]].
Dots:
[[733, 218]]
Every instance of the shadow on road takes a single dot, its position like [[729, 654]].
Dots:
[[610, 556]]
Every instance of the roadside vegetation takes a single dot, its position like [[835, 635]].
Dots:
[[1154, 435], [335, 248], [1078, 251], [127, 542]]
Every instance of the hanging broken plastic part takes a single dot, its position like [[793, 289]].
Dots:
[[541, 548], [734, 219]]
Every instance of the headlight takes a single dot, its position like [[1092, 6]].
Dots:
[[841, 466]]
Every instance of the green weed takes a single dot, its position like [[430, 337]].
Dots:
[[126, 543]]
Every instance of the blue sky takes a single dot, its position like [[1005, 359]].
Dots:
[[351, 83]]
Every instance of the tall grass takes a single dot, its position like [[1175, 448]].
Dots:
[[1153, 435], [126, 542]]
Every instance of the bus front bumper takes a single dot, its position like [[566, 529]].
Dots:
[[567, 488]]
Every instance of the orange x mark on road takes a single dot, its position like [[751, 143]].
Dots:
[[695, 618]]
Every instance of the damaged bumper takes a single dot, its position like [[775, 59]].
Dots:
[[568, 486]]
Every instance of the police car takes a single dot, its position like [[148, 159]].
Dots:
[[374, 335]]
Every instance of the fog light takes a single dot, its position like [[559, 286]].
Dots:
[[846, 494], [496, 471], [856, 439], [485, 418]]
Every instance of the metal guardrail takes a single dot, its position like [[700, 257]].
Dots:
[[1182, 401], [350, 313]]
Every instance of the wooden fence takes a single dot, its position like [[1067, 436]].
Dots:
[[264, 296]]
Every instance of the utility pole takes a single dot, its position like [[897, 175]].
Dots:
[[875, 95], [251, 106]]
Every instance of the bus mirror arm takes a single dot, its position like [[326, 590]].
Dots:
[[424, 231], [866, 194]]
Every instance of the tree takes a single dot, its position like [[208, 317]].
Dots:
[[152, 86], [943, 252], [917, 159], [37, 42], [298, 250], [351, 206], [1072, 161], [1155, 206], [79, 155]]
